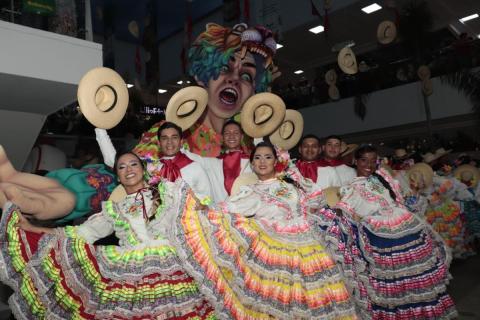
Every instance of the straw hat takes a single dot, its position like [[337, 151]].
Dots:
[[103, 97], [346, 149], [347, 61], [289, 132], [421, 171], [186, 106], [386, 32], [331, 77], [261, 114], [243, 180], [429, 157], [427, 87], [401, 154], [423, 72], [467, 173], [333, 92], [133, 28], [118, 194], [332, 195]]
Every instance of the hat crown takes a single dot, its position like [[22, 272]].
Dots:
[[262, 113]]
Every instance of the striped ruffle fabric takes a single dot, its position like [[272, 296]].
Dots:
[[248, 272], [57, 277]]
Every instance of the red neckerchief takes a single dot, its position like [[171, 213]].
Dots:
[[330, 163], [231, 167], [308, 169], [171, 167]]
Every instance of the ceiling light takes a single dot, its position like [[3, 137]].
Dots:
[[298, 72], [162, 90], [317, 29], [371, 8], [279, 46], [188, 81], [470, 17], [129, 85], [179, 82]]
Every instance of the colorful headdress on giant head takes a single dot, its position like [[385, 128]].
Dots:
[[214, 48]]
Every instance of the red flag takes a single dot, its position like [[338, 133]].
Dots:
[[246, 10]]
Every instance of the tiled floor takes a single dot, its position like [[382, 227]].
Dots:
[[464, 288]]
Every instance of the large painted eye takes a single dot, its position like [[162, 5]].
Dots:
[[251, 35]]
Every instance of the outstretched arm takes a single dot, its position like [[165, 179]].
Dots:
[[106, 147]]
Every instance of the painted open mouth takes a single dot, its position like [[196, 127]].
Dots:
[[228, 96]]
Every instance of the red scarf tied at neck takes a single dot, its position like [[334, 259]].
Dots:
[[171, 167], [231, 167], [308, 169], [330, 162]]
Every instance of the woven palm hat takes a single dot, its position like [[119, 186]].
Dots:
[[103, 97], [243, 180], [290, 131], [386, 32], [262, 114], [331, 77], [186, 106], [419, 171], [347, 61], [333, 92], [467, 173]]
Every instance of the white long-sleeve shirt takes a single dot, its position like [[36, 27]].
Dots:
[[338, 176]]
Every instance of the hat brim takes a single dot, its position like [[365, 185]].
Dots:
[[333, 92], [247, 116], [425, 170], [331, 77], [332, 195], [350, 148], [197, 96], [296, 119], [243, 180], [382, 27], [467, 167], [118, 194], [89, 86], [351, 69]]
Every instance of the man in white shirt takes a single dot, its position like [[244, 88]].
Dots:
[[332, 171], [172, 163], [224, 169]]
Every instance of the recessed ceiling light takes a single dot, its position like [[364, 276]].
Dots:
[[317, 29], [129, 85], [188, 81], [478, 36], [179, 82], [470, 17], [298, 72], [279, 45], [162, 90], [371, 8]]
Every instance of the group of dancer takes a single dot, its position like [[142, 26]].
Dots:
[[197, 243]]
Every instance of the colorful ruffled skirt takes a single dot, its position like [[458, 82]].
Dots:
[[55, 277], [448, 220], [248, 272], [400, 276]]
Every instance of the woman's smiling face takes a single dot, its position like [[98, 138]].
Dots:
[[366, 164], [130, 172]]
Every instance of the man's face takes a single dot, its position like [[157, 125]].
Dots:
[[232, 137], [332, 148], [309, 149], [170, 142], [234, 85]]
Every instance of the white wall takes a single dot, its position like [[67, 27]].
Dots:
[[386, 108], [18, 132], [45, 55]]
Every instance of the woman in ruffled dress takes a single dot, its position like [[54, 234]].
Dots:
[[397, 265], [60, 274], [259, 255]]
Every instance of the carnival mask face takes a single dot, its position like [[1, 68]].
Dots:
[[263, 163], [234, 85], [332, 148], [309, 149], [366, 164], [130, 172], [232, 137], [170, 142]]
